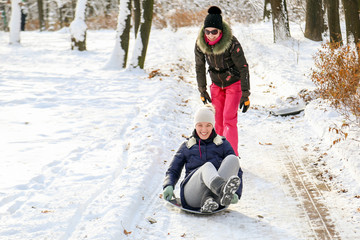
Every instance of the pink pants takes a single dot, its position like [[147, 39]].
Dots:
[[226, 103]]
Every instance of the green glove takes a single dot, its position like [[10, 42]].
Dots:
[[235, 199], [168, 193]]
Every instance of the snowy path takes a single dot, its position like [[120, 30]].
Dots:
[[293, 192], [86, 148]]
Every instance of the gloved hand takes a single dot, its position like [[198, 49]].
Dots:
[[204, 95], [168, 193], [235, 199], [244, 101]]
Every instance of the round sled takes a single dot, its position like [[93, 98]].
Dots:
[[288, 111], [176, 202]]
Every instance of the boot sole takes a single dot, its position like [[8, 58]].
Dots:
[[209, 206], [230, 188]]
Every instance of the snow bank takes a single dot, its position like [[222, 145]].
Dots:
[[343, 156]]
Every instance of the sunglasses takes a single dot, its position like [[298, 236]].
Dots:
[[213, 32]]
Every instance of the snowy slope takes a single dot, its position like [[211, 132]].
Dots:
[[85, 148]]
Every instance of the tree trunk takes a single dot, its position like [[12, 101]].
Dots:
[[78, 27], [4, 18], [351, 8], [52, 6], [15, 22], [107, 8], [280, 20], [314, 20], [267, 10], [137, 16], [142, 42], [120, 53], [334, 21], [73, 5], [123, 29], [61, 17], [41, 15]]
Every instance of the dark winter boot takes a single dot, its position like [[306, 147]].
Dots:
[[225, 189], [208, 203]]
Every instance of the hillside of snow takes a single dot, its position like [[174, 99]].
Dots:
[[85, 147]]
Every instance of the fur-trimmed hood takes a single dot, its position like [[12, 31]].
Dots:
[[219, 47], [218, 140]]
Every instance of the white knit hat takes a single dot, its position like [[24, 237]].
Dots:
[[205, 114]]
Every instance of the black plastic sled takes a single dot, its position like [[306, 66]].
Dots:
[[176, 202], [288, 111]]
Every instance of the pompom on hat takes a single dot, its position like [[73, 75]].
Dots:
[[214, 18], [205, 114]]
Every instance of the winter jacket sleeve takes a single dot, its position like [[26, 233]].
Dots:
[[200, 67], [238, 57], [173, 173], [228, 150]]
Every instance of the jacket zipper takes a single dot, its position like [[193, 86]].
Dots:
[[218, 75], [200, 149]]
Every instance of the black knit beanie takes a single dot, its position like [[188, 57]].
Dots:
[[214, 18]]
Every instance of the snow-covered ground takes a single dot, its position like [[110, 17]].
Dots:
[[84, 148]]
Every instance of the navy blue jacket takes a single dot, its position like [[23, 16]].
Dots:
[[192, 154]]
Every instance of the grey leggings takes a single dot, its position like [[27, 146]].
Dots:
[[200, 181]]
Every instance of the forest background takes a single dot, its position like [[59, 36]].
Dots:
[[336, 71]]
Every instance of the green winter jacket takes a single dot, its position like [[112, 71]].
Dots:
[[226, 60]]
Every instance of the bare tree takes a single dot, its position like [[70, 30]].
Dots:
[[73, 5], [52, 12], [40, 4], [120, 53], [107, 8], [314, 20], [15, 22], [124, 28], [78, 27], [267, 10], [332, 7], [352, 20], [141, 44], [280, 20], [137, 16]]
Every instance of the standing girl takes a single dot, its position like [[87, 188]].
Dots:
[[228, 69]]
